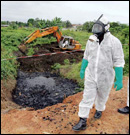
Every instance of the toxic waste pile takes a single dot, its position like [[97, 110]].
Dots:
[[42, 89]]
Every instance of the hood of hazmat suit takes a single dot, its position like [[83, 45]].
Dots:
[[100, 27]]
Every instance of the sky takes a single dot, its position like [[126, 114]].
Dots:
[[77, 12]]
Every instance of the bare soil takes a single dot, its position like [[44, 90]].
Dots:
[[59, 118], [6, 95]]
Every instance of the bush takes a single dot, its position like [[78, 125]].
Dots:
[[72, 72], [56, 66], [30, 51], [66, 62], [126, 55], [8, 67]]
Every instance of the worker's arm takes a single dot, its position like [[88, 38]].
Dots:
[[119, 78], [83, 67], [118, 61], [84, 62]]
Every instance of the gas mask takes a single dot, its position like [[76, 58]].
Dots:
[[100, 27]]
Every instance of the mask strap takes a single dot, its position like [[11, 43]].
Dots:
[[99, 17]]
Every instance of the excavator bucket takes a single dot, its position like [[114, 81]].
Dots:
[[22, 48]]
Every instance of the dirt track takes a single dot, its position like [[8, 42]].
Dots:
[[59, 118]]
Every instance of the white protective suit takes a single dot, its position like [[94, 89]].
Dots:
[[128, 94], [99, 74]]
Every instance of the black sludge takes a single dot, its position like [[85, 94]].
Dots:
[[39, 90]]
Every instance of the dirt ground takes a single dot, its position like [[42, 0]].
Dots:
[[6, 95], [59, 118]]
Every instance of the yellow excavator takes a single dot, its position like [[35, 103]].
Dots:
[[64, 42]]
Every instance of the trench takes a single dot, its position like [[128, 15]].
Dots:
[[41, 89], [38, 86]]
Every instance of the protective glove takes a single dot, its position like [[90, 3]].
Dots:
[[83, 67], [119, 78]]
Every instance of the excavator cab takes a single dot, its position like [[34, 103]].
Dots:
[[69, 43]]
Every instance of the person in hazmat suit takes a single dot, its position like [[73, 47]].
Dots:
[[125, 110], [103, 60]]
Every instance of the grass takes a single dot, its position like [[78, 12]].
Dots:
[[8, 68], [72, 72], [80, 36]]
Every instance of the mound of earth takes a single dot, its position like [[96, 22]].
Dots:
[[44, 63], [6, 95]]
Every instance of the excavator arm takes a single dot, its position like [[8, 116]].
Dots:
[[44, 32], [40, 33]]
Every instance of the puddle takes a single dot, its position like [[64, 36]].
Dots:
[[39, 89], [49, 83]]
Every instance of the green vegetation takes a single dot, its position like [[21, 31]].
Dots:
[[126, 53], [121, 31], [72, 71], [12, 36], [81, 36], [56, 66], [66, 62], [8, 68], [39, 23]]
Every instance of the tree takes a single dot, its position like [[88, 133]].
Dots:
[[43, 24], [68, 24], [64, 24], [30, 21], [3, 22], [114, 24], [125, 32], [14, 25], [88, 26], [56, 22], [30, 24]]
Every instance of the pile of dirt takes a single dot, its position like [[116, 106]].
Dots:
[[44, 63], [6, 95], [41, 89]]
